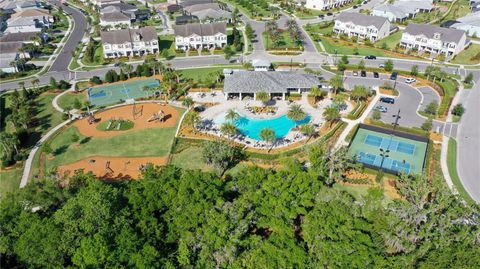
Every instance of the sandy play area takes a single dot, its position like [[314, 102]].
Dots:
[[144, 112], [120, 167]]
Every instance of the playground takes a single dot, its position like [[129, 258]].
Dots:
[[120, 91], [391, 151], [127, 118], [112, 167]]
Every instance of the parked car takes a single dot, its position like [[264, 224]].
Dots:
[[321, 16], [381, 66], [363, 73], [410, 80], [376, 75], [117, 64], [371, 57], [355, 6], [393, 76], [329, 14], [355, 73], [388, 100], [382, 109]]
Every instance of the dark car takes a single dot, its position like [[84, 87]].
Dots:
[[388, 100], [393, 76], [375, 75], [355, 6], [363, 73], [321, 16], [370, 57], [329, 14]]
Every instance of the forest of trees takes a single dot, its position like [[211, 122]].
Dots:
[[255, 218]]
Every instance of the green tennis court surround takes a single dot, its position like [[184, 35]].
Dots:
[[401, 152], [121, 91]]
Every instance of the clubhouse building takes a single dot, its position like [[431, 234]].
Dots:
[[240, 84]]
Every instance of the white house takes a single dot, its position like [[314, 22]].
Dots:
[[197, 36], [470, 24], [12, 6], [130, 42], [402, 10], [325, 4], [433, 39], [30, 20], [115, 19], [362, 26]]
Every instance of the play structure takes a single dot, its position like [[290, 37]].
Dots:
[[137, 112], [159, 116]]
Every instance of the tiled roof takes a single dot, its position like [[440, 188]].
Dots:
[[32, 13], [427, 30], [200, 29], [271, 82], [362, 19], [126, 35], [114, 16], [18, 37]]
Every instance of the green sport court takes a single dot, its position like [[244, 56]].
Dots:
[[406, 152], [119, 92]]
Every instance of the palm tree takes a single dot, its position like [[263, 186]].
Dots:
[[188, 101], [296, 113], [35, 82], [263, 96], [338, 162], [316, 93], [268, 135], [232, 115], [126, 68], [331, 114], [336, 83], [308, 130], [228, 129], [192, 119]]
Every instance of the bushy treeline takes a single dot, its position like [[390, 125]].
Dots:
[[256, 218]]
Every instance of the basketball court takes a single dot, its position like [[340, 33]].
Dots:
[[121, 91]]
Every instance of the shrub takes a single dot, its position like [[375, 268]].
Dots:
[[458, 110], [431, 108], [96, 80], [427, 125]]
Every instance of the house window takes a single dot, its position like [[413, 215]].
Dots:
[[436, 35]]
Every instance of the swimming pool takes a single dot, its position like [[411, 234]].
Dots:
[[251, 127]]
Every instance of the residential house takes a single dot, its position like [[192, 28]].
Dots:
[[128, 9], [325, 4], [114, 20], [362, 26], [184, 19], [402, 10], [470, 24], [209, 12], [130, 42], [12, 6], [187, 3], [102, 3], [240, 84], [433, 39], [198, 36], [10, 54], [22, 38], [30, 20]]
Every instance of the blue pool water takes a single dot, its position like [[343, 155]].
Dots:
[[251, 127]]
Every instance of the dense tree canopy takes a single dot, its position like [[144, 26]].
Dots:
[[254, 218]]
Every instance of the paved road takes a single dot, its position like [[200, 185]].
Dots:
[[63, 59]]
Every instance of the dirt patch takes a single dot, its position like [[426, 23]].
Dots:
[[120, 167], [144, 113]]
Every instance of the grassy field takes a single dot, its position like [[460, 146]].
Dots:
[[469, 56], [459, 9], [331, 45], [190, 158], [201, 73], [452, 169], [449, 87], [68, 99], [285, 43], [45, 114], [391, 41], [10, 180]]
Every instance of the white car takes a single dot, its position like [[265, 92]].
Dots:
[[355, 73], [410, 80], [381, 65]]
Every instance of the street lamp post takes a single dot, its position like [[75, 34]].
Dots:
[[384, 152]]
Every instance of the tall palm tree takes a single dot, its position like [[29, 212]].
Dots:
[[268, 135], [126, 68], [331, 114], [316, 93], [192, 119], [263, 96], [296, 113], [35, 82], [188, 101], [232, 115], [338, 162], [308, 130], [336, 83], [228, 129]]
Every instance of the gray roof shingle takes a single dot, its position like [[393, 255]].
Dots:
[[114, 16], [271, 82], [126, 35], [446, 34], [200, 29], [362, 19], [18, 37]]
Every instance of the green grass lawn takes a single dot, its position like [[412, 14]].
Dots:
[[452, 169], [391, 41], [201, 73], [331, 45], [10, 180], [285, 43], [469, 56], [68, 99], [46, 115], [449, 87], [459, 9], [190, 158]]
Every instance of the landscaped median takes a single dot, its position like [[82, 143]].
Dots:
[[452, 170]]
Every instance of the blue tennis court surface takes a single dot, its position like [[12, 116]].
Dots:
[[403, 155], [121, 91]]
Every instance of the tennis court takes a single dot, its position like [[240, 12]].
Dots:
[[121, 91], [404, 155]]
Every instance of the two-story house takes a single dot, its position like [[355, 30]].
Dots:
[[325, 4], [130, 42], [362, 26], [30, 20], [433, 39], [198, 36]]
